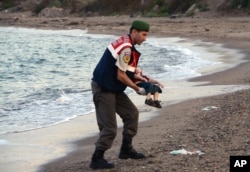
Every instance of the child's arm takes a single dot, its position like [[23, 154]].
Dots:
[[156, 82], [140, 77]]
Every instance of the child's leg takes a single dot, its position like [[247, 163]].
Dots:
[[156, 101], [156, 95], [148, 96], [148, 88]]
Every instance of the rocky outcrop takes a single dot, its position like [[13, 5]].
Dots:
[[53, 12]]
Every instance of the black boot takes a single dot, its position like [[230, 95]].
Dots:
[[127, 150], [98, 161]]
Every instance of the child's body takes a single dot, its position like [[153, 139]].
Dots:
[[151, 86]]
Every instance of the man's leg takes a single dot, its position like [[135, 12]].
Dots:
[[130, 117], [106, 119]]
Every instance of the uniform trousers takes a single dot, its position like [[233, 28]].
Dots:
[[107, 105]]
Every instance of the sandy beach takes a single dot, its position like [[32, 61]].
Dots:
[[188, 122]]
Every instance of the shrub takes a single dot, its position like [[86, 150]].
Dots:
[[8, 4]]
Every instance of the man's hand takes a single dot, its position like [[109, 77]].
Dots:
[[141, 91]]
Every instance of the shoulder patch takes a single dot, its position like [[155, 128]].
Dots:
[[126, 57]]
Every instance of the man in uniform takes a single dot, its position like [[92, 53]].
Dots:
[[113, 73]]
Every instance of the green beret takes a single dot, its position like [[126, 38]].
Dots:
[[140, 25]]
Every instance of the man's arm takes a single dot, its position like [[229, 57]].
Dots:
[[122, 64], [122, 77]]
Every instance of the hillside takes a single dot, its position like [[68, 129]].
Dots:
[[146, 8]]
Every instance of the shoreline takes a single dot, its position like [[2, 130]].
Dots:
[[234, 76], [59, 143]]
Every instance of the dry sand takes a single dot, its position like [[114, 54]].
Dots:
[[218, 132]]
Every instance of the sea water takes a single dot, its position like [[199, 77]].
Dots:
[[45, 75]]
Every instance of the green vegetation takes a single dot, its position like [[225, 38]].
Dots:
[[149, 8], [7, 4], [243, 3]]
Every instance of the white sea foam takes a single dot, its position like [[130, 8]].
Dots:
[[4, 142]]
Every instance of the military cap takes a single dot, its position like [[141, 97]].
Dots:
[[140, 25]]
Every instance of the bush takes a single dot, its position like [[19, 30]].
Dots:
[[40, 6], [243, 3], [8, 4]]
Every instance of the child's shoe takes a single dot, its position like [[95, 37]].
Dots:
[[157, 103], [149, 102]]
